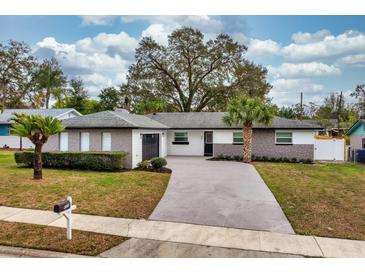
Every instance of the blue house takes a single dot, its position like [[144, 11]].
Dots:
[[7, 140], [357, 135]]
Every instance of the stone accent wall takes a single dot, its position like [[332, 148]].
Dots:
[[263, 144], [121, 141]]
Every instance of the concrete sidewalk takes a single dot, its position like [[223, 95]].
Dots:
[[310, 246], [21, 252]]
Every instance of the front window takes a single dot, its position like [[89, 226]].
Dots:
[[85, 141], [181, 137], [284, 137], [237, 138]]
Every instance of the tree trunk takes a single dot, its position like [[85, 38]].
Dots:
[[37, 165], [247, 143], [48, 96]]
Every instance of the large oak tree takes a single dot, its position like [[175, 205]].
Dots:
[[16, 73], [191, 74]]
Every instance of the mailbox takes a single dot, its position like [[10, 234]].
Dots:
[[62, 206]]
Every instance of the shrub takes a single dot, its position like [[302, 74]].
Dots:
[[293, 160], [227, 158], [237, 158], [258, 158], [158, 162], [265, 158], [307, 161], [109, 161], [144, 164], [285, 160]]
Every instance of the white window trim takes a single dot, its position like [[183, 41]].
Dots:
[[283, 143]]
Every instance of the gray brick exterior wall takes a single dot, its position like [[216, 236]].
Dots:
[[263, 144], [121, 141]]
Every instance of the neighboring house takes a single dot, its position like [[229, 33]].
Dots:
[[189, 134], [8, 140], [331, 129], [357, 135]]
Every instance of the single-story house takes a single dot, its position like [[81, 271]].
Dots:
[[189, 134], [357, 135], [8, 140]]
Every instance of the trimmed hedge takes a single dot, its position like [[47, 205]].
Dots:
[[237, 158], [109, 161]]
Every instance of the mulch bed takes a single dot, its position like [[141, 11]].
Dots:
[[158, 170]]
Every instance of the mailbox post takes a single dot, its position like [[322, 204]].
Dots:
[[65, 208]]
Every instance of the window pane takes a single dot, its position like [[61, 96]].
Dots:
[[283, 140], [237, 137], [284, 134], [181, 136], [106, 141]]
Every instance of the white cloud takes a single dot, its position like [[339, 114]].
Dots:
[[257, 47], [311, 69], [101, 61], [326, 46], [205, 23], [306, 37], [159, 32], [161, 26], [112, 43], [97, 20], [287, 91], [357, 60]]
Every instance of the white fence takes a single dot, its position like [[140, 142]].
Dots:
[[329, 149], [14, 142]]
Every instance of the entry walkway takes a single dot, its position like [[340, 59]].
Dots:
[[194, 234]]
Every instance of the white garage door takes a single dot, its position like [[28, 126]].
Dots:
[[329, 149]]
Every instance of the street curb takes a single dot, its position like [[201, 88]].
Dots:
[[36, 253]]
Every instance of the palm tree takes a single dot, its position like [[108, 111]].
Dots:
[[38, 129], [244, 111], [50, 77]]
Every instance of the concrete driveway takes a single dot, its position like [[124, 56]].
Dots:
[[218, 193]]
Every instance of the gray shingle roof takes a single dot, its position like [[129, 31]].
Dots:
[[7, 114], [214, 120], [112, 119]]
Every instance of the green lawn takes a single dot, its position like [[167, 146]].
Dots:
[[54, 239], [131, 194], [324, 199]]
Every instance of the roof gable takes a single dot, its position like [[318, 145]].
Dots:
[[112, 119], [356, 128], [214, 120], [8, 114]]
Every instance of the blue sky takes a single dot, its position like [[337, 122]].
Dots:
[[313, 54]]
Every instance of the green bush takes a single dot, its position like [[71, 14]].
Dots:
[[144, 164], [237, 158], [158, 162], [108, 161]]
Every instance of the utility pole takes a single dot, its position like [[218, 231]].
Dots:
[[339, 110], [301, 106]]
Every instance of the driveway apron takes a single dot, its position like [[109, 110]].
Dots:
[[219, 193]]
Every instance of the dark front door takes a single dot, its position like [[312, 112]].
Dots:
[[208, 143], [150, 146]]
